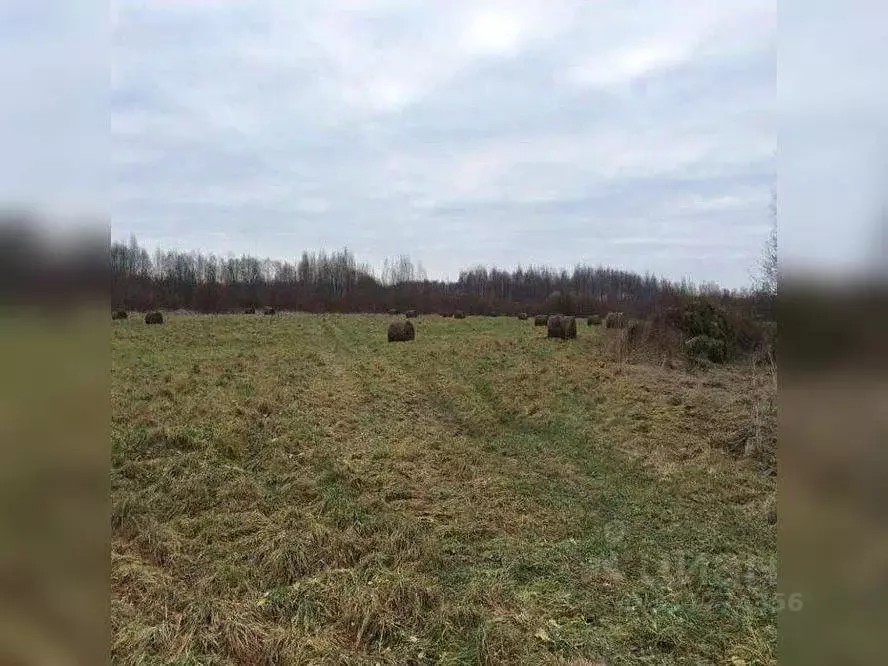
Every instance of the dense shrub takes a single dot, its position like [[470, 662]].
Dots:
[[703, 346], [736, 332]]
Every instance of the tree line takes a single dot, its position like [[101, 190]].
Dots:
[[337, 282]]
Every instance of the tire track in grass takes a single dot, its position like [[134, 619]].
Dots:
[[429, 486], [658, 517], [415, 382], [532, 560]]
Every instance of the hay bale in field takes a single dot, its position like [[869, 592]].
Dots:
[[703, 346], [401, 331], [154, 317], [250, 311], [410, 314], [593, 320], [540, 320], [563, 327], [119, 314], [614, 320], [459, 314], [269, 311], [522, 316]]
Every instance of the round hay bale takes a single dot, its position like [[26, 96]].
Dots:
[[119, 314], [410, 314], [401, 331], [614, 320], [540, 320], [563, 327], [154, 317], [593, 320], [523, 316], [459, 314], [250, 311], [269, 311]]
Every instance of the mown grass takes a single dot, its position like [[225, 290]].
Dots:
[[294, 489]]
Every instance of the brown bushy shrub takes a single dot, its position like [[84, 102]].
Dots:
[[634, 331], [540, 320], [593, 320], [154, 317], [401, 331], [269, 311], [563, 327], [459, 314], [250, 311], [410, 314], [119, 314], [614, 320]]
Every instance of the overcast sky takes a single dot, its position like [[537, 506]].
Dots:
[[627, 133], [636, 134]]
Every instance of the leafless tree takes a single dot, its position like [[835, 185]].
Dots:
[[770, 274]]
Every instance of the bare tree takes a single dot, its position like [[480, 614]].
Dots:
[[320, 282], [770, 274]]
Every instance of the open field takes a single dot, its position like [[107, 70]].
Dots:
[[294, 489]]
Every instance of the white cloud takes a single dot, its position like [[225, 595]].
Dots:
[[630, 64], [493, 32]]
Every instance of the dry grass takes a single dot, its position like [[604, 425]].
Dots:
[[296, 490]]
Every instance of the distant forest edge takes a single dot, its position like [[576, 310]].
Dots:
[[337, 282]]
